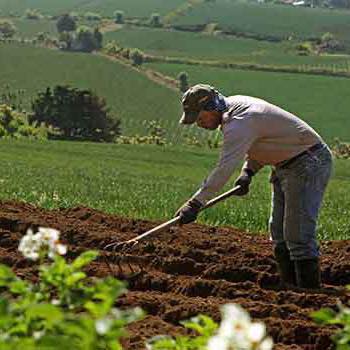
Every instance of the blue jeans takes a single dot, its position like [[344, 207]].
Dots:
[[298, 189]]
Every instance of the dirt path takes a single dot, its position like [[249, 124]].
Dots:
[[155, 76], [187, 271]]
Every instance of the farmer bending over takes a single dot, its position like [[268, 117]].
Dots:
[[265, 134]]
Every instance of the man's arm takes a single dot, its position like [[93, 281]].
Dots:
[[237, 141]]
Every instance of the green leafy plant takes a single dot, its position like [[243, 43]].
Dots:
[[341, 149], [203, 325], [341, 318], [235, 332], [14, 124], [63, 307]]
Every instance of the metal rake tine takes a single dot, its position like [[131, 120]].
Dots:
[[117, 245], [105, 258], [130, 267]]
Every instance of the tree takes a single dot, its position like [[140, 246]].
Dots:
[[98, 38], [32, 14], [7, 28], [66, 40], [136, 56], [92, 16], [155, 20], [119, 17], [66, 23], [86, 40], [183, 81], [79, 114]]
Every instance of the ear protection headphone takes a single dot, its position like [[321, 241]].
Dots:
[[216, 103]]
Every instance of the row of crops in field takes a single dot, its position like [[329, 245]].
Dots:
[[270, 20], [28, 28], [221, 48], [102, 175], [130, 95], [320, 100], [132, 8]]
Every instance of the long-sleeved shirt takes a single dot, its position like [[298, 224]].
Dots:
[[260, 132]]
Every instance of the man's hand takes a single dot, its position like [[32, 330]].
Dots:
[[189, 211], [244, 180]]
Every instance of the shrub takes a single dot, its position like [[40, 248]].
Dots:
[[33, 14], [92, 16], [98, 38], [119, 17], [304, 49], [14, 124], [136, 56], [86, 39], [155, 20], [112, 48], [330, 44], [65, 40], [7, 28], [341, 149], [155, 135], [66, 23], [78, 114], [183, 81]]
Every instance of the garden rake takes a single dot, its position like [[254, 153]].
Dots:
[[134, 262]]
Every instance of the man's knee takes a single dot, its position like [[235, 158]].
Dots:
[[301, 250], [276, 229]]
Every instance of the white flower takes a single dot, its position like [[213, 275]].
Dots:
[[57, 248], [30, 245], [45, 239], [49, 235], [256, 332], [266, 344], [218, 343], [103, 325], [39, 334], [238, 332]]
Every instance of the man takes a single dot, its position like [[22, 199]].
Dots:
[[265, 134]]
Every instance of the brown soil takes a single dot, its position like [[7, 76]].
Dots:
[[187, 271]]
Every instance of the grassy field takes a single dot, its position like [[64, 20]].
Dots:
[[320, 100], [206, 47], [131, 96], [146, 182], [28, 28], [132, 8], [272, 20]]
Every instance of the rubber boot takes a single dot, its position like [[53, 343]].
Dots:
[[285, 266], [308, 273]]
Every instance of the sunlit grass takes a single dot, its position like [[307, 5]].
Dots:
[[148, 182]]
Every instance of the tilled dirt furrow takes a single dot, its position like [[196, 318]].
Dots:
[[185, 271]]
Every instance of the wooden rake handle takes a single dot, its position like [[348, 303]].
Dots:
[[176, 220]]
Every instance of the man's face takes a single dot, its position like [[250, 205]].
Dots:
[[209, 119]]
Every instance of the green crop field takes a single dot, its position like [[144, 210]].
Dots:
[[132, 8], [279, 21], [320, 100], [227, 49], [27, 28], [131, 96], [147, 182]]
